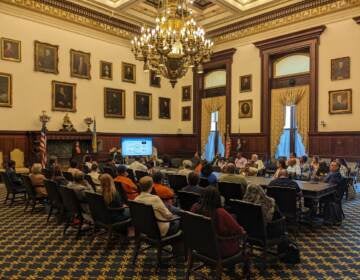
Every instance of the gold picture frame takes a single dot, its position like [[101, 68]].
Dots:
[[128, 72], [340, 101], [63, 97], [340, 68], [46, 57], [186, 93], [142, 106], [106, 70], [164, 108], [246, 83], [114, 103], [186, 113], [10, 50], [80, 64], [245, 109], [154, 81], [5, 90]]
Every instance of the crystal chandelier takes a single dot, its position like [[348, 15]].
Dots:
[[175, 44]]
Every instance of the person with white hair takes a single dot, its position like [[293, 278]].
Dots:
[[186, 170], [255, 165]]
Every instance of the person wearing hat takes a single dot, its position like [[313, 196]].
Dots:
[[186, 170], [129, 186]]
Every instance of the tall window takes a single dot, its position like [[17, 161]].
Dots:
[[290, 117], [214, 121]]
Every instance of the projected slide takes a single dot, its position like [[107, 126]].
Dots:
[[136, 146]]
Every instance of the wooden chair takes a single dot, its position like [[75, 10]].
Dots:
[[18, 156], [147, 230], [204, 182], [177, 182], [205, 247], [187, 199], [12, 190], [32, 198], [231, 191], [101, 215], [54, 198]]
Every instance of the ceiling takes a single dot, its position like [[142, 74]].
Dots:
[[211, 14]]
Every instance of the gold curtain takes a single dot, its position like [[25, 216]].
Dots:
[[282, 97], [209, 105]]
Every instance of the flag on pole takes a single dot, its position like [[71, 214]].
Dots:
[[227, 143], [94, 138], [43, 147]]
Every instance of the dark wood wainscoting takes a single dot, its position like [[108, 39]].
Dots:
[[335, 144], [251, 143], [27, 141]]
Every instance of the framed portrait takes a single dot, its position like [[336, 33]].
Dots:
[[245, 109], [106, 70], [245, 83], [143, 106], [80, 65], [10, 49], [186, 113], [46, 57], [155, 81], [128, 71], [164, 108], [340, 101], [5, 90], [340, 68], [114, 103], [186, 93], [63, 96]]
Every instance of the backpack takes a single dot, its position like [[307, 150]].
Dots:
[[333, 214], [289, 252]]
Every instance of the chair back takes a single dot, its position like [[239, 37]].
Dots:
[[30, 190], [139, 174], [176, 181], [187, 199], [68, 176], [109, 171], [52, 190], [204, 182], [199, 235], [143, 219], [90, 181], [231, 191], [120, 189], [98, 209], [46, 172], [131, 174], [70, 201], [285, 199], [7, 182], [250, 217]]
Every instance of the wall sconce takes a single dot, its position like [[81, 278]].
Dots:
[[323, 124]]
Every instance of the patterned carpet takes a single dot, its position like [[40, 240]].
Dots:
[[32, 249]]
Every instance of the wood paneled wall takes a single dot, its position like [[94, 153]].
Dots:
[[10, 140]]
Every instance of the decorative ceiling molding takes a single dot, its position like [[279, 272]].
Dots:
[[357, 19], [75, 13], [284, 16]]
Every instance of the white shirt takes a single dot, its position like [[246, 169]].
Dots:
[[160, 210], [294, 169], [138, 166]]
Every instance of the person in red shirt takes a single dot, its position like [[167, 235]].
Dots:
[[226, 225], [129, 186], [164, 192]]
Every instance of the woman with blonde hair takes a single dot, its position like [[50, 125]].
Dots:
[[37, 180], [112, 199]]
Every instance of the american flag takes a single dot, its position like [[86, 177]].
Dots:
[[43, 144], [94, 138], [227, 142]]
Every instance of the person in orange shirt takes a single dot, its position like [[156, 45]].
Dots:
[[164, 192], [129, 186], [199, 166]]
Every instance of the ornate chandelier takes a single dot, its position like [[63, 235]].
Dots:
[[175, 44]]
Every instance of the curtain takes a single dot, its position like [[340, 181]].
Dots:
[[299, 145], [209, 105], [277, 119], [283, 149], [302, 116], [221, 147], [210, 146]]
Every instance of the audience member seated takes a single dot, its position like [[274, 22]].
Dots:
[[231, 177], [281, 164], [164, 192], [293, 169], [305, 168], [199, 166], [129, 186], [221, 163], [314, 164], [87, 164], [322, 171], [207, 172], [186, 170], [73, 167], [255, 165], [80, 186], [284, 181], [193, 183], [57, 176], [240, 161], [293, 156], [150, 167], [334, 177], [94, 174], [14, 178], [344, 169], [196, 159], [137, 165], [160, 210], [226, 225], [51, 163], [37, 180], [113, 199]]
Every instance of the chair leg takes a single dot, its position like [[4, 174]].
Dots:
[[108, 242], [159, 252], [33, 206], [12, 199], [137, 248], [50, 212], [218, 272], [6, 198], [26, 205], [79, 228], [190, 262]]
